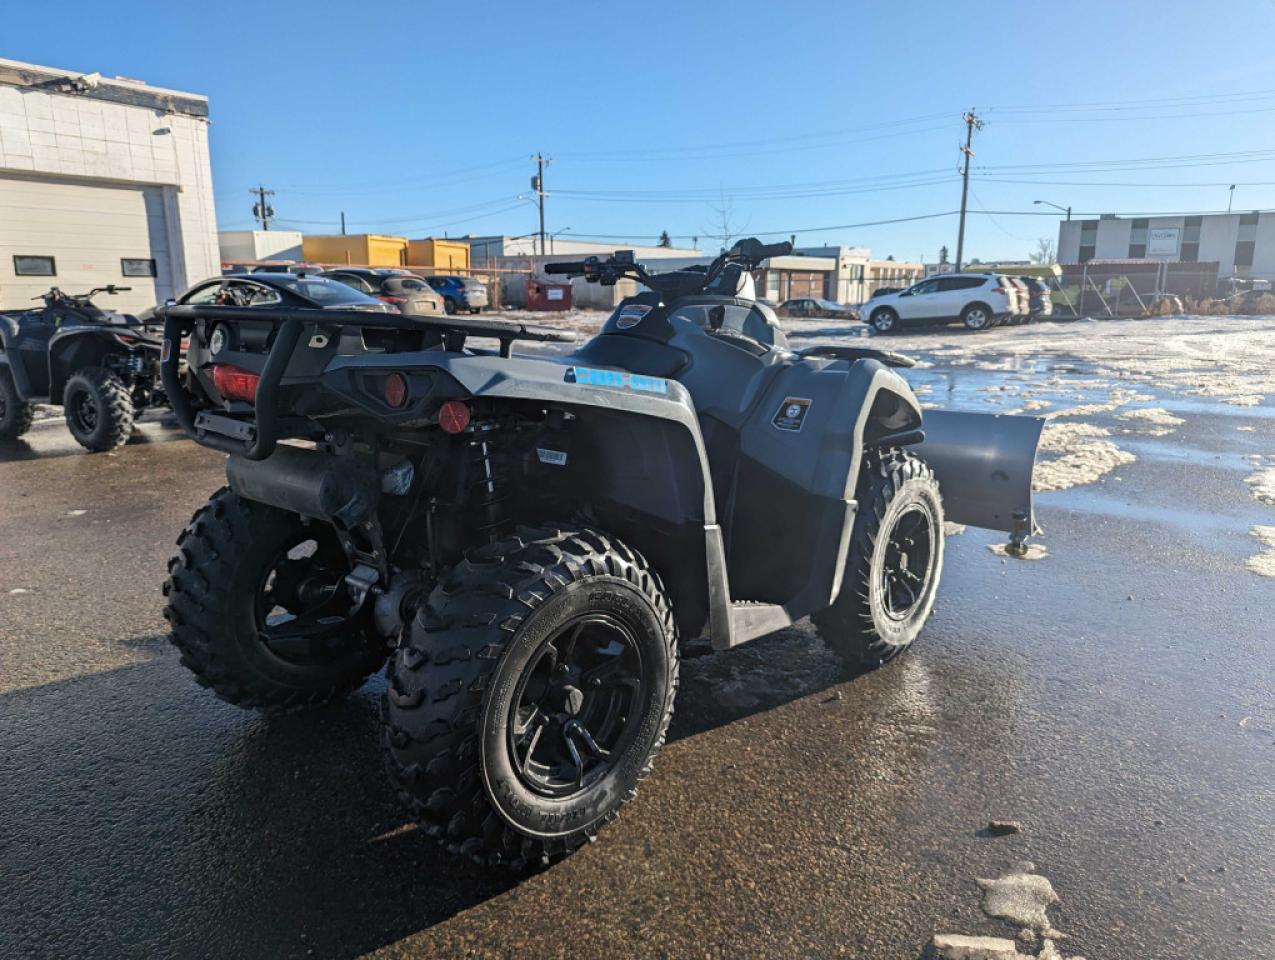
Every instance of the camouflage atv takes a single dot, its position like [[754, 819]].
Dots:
[[531, 537]]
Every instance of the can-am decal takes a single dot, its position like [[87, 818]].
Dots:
[[791, 414], [630, 316], [616, 379]]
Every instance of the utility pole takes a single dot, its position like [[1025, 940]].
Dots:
[[1230, 199], [971, 123], [261, 209], [538, 185], [343, 223]]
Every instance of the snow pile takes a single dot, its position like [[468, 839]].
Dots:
[[1084, 456]]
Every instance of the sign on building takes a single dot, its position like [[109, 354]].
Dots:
[[1163, 241]]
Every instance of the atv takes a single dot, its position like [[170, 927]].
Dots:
[[101, 366], [535, 539]]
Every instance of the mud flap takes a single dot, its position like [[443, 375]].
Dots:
[[984, 465]]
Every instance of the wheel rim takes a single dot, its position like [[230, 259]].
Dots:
[[299, 604], [84, 412], [909, 555], [976, 319], [577, 706], [883, 321]]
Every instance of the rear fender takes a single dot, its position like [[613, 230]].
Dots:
[[76, 349], [637, 437]]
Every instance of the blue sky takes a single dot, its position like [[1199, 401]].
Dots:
[[421, 118]]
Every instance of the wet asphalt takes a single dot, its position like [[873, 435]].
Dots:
[[1116, 697]]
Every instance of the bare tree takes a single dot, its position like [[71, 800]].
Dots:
[[1044, 252], [943, 254], [724, 223]]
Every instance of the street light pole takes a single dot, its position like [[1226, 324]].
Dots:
[[1066, 210], [1230, 198]]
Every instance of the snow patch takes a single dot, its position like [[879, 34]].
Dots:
[[1263, 564]]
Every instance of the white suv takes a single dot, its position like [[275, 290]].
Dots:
[[978, 300]]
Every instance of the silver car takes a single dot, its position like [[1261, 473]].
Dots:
[[406, 291]]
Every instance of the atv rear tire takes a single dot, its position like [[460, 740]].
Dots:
[[15, 414], [99, 409], [242, 572], [894, 562], [531, 695]]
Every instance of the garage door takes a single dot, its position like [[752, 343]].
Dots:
[[76, 236]]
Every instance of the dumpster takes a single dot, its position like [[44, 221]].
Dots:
[[548, 296]]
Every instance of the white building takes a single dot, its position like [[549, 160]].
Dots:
[[102, 181], [1242, 244], [260, 244]]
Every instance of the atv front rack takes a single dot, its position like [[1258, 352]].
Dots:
[[256, 440]]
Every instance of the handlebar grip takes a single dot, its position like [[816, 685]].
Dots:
[[566, 267]]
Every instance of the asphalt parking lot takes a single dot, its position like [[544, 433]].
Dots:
[[1115, 696]]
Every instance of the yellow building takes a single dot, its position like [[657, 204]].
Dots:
[[358, 249], [444, 255]]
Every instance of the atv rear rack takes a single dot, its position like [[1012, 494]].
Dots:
[[257, 440]]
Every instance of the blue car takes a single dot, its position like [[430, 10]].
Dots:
[[460, 293]]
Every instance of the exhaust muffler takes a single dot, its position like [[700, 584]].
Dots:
[[340, 490]]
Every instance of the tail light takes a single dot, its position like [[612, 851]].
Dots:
[[453, 416], [396, 390], [387, 298], [235, 383], [999, 290]]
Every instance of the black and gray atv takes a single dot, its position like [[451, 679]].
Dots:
[[101, 366], [531, 538]]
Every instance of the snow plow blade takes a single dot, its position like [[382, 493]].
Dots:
[[984, 465]]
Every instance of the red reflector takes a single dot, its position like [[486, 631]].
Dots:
[[235, 383], [453, 416], [396, 390]]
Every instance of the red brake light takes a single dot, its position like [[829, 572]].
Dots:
[[453, 416], [999, 290], [235, 383], [386, 298], [396, 390]]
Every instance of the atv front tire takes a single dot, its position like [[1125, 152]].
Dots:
[[893, 565], [531, 695], [15, 414], [99, 409], [242, 573]]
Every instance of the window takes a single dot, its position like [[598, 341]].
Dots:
[[1087, 252], [205, 294], [1244, 253], [1190, 251], [241, 294], [1137, 251], [960, 283], [137, 267], [1248, 219], [32, 266], [929, 286]]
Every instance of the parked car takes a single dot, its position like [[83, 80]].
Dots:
[[817, 307], [404, 290], [1021, 311], [277, 289], [978, 300], [460, 293], [1040, 303]]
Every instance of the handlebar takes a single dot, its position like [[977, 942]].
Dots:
[[748, 252], [567, 267], [56, 294]]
